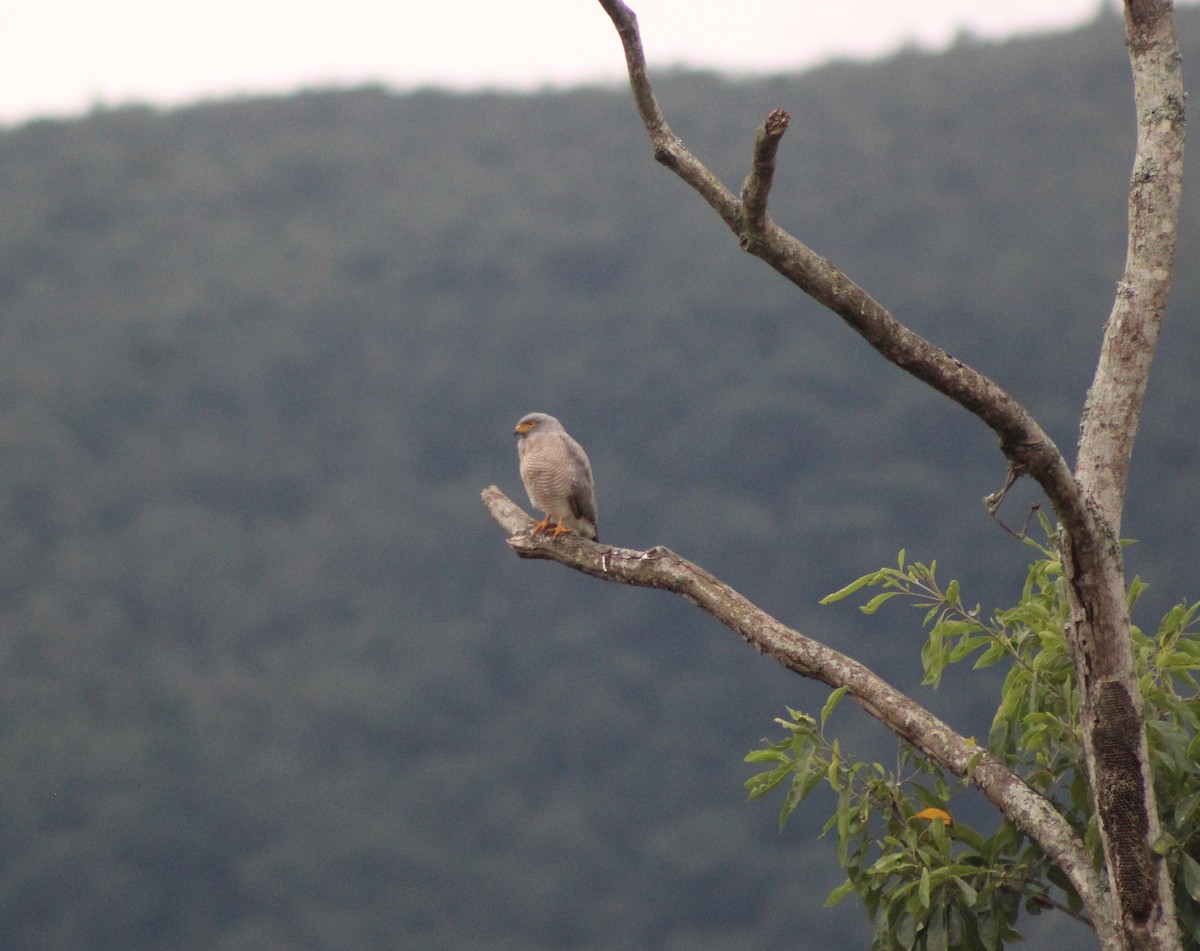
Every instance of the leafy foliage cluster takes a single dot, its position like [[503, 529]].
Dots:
[[928, 880]]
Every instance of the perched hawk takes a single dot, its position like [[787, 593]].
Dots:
[[557, 476]]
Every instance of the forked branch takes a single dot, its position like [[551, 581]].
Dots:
[[757, 186], [1026, 445], [1114, 402]]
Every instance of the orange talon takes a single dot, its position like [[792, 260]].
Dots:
[[542, 526], [561, 529]]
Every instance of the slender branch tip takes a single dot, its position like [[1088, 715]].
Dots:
[[777, 123]]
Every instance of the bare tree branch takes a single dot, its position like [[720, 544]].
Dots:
[[662, 568], [1027, 446], [668, 149], [1114, 401], [762, 173]]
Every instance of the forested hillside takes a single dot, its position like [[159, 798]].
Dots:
[[272, 680]]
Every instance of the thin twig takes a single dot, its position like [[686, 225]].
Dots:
[[757, 186], [1047, 902]]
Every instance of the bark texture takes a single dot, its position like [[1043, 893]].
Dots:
[[1114, 734]]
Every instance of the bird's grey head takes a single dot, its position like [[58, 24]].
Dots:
[[539, 423]]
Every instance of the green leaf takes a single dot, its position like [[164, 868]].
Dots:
[[905, 932], [804, 761], [953, 628], [769, 755], [937, 934], [800, 721], [969, 894], [872, 578], [992, 655], [933, 660], [835, 763], [968, 645], [843, 825], [1185, 808], [967, 835], [1191, 875], [763, 783], [839, 893], [1179, 660], [802, 785], [1136, 587], [874, 604], [923, 888], [890, 863], [1081, 797], [831, 704]]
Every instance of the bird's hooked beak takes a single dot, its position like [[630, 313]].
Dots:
[[523, 428]]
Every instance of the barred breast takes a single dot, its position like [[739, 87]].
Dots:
[[558, 478]]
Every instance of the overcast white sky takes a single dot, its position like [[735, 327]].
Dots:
[[62, 57]]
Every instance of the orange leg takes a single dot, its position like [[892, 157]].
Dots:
[[561, 529], [542, 526]]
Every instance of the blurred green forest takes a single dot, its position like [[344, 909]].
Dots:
[[272, 679]]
